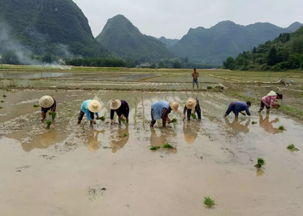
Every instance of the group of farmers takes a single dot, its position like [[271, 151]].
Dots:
[[159, 110]]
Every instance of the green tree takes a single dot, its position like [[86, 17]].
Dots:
[[229, 63]]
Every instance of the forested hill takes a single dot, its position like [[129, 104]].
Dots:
[[121, 37], [285, 52], [40, 27], [212, 46]]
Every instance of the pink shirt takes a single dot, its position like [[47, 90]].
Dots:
[[270, 101]]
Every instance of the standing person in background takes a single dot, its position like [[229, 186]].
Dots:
[[47, 103], [238, 107], [270, 101], [89, 108], [160, 110], [195, 76], [121, 108], [192, 106]]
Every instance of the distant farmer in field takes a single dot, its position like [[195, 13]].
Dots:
[[191, 107], [47, 103], [238, 107], [121, 108], [89, 108], [160, 110], [270, 101], [195, 76]]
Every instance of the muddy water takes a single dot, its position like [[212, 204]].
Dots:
[[109, 170]]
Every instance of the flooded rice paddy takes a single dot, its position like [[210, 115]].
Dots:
[[74, 170]]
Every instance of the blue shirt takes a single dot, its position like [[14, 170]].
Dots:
[[84, 108], [238, 106], [157, 109]]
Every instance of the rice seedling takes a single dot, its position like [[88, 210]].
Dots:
[[48, 124], [1, 107], [292, 147], [154, 148], [209, 202], [36, 105], [193, 115], [4, 96], [260, 163], [253, 122], [2, 101], [281, 128], [209, 87], [53, 115], [174, 120], [102, 118], [125, 135], [168, 146]]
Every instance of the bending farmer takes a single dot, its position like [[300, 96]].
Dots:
[[160, 110], [121, 108], [238, 107], [89, 108], [192, 105], [270, 101], [47, 103]]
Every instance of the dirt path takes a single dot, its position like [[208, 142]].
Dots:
[[72, 170]]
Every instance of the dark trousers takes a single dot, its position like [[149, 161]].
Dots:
[[262, 105], [195, 81], [231, 108], [153, 121], [197, 110], [81, 114]]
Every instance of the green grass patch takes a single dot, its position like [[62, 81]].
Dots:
[[209, 202], [254, 122], [292, 147], [36, 105]]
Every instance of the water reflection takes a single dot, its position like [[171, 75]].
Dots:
[[267, 125], [190, 131], [93, 143], [238, 126], [42, 141], [119, 138], [164, 137]]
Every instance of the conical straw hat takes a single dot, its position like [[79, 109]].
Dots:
[[191, 103], [115, 104], [46, 101], [272, 93], [94, 106], [174, 106]]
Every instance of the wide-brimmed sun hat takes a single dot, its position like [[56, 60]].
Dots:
[[191, 103], [46, 101], [174, 106], [115, 104], [94, 106]]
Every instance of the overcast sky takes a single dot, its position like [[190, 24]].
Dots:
[[173, 18]]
